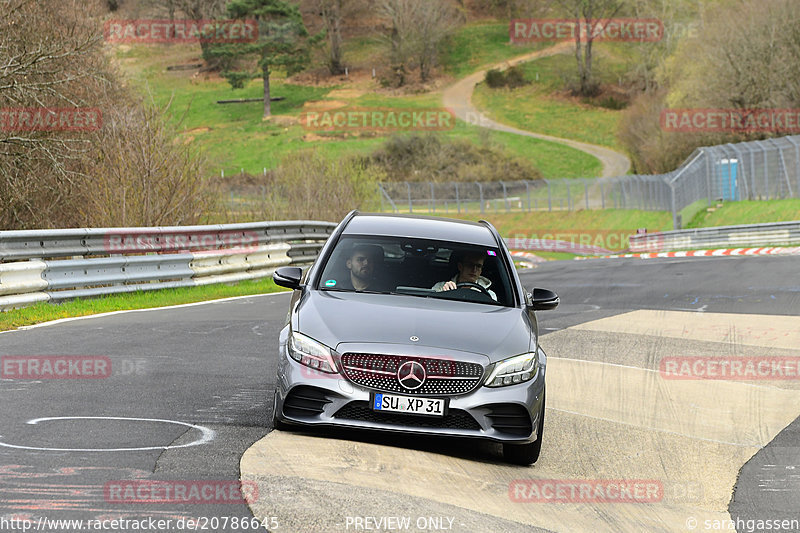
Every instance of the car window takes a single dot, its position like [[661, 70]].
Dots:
[[417, 267]]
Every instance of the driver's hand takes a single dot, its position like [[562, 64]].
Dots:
[[449, 286]]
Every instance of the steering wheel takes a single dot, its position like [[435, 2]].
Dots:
[[471, 285]]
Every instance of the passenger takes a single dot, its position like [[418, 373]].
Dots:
[[469, 266]]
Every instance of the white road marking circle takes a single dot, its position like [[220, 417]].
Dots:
[[207, 435]]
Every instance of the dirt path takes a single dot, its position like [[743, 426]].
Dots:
[[458, 97]]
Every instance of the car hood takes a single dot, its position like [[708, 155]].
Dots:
[[337, 318]]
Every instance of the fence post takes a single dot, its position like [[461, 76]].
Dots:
[[505, 195], [602, 195], [569, 198], [528, 194], [480, 192], [774, 143], [433, 200], [458, 201], [752, 170], [410, 204], [740, 173], [766, 167], [672, 206], [709, 166], [586, 192], [796, 162]]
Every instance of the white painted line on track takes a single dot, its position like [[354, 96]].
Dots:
[[207, 435], [122, 311]]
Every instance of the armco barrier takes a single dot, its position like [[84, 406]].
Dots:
[[56, 265], [742, 236]]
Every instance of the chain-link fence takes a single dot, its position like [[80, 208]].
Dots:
[[629, 192], [758, 170]]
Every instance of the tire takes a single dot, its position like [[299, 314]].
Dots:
[[526, 454]]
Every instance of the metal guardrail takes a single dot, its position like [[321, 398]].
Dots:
[[742, 236], [57, 265]]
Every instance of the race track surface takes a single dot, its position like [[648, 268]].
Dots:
[[190, 388]]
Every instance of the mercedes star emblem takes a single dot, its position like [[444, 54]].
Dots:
[[411, 375], [413, 338]]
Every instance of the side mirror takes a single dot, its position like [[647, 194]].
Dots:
[[288, 277], [543, 300]]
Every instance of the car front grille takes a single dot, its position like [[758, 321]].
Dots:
[[442, 376], [454, 419], [510, 418]]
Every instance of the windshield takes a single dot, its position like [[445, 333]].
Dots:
[[418, 267]]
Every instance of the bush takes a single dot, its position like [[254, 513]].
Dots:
[[515, 78], [495, 79], [436, 158], [307, 186], [511, 78]]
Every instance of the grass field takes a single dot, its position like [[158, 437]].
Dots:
[[44, 312], [234, 136], [539, 106], [748, 212], [481, 44]]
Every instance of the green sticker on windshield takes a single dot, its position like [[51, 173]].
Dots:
[[330, 283]]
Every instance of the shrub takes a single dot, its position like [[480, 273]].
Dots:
[[511, 78], [495, 79], [436, 158]]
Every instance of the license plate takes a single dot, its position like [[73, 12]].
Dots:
[[405, 404]]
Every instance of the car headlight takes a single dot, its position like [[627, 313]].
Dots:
[[311, 353], [517, 369]]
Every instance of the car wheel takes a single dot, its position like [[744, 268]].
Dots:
[[526, 454], [276, 422]]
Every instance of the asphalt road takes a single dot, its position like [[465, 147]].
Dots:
[[190, 391]]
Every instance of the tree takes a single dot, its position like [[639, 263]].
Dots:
[[416, 28], [332, 13], [754, 67], [283, 42], [200, 10], [589, 13], [124, 170], [435, 22]]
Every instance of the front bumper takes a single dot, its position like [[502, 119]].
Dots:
[[308, 397]]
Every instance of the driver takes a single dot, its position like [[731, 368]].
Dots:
[[469, 266], [361, 264]]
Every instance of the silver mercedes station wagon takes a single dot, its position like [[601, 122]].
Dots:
[[415, 325]]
